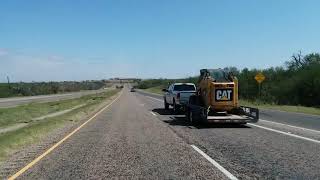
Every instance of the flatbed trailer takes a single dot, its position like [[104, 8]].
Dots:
[[197, 114]]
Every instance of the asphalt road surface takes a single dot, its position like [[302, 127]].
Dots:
[[135, 138], [15, 101]]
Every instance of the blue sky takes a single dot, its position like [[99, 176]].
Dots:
[[92, 39]]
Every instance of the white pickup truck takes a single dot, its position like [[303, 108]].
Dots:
[[177, 95]]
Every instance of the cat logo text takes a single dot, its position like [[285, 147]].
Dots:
[[224, 94]]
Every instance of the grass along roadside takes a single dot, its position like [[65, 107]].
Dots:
[[156, 90], [35, 130], [26, 113], [286, 108]]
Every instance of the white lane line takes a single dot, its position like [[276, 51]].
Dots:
[[285, 133], [305, 129], [217, 165]]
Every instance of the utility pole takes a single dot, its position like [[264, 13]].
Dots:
[[8, 82]]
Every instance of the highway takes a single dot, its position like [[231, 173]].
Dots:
[[16, 101], [135, 138]]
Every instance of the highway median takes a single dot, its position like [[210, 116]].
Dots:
[[28, 124]]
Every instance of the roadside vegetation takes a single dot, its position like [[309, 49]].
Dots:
[[286, 108], [36, 129], [292, 87], [40, 88], [156, 90]]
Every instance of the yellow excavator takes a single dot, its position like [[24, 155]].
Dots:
[[217, 100]]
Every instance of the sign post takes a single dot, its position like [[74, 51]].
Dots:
[[259, 78]]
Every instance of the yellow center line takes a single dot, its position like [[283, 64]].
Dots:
[[28, 166]]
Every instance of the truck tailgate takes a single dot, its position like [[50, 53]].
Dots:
[[184, 96]]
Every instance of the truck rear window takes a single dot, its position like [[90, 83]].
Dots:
[[184, 87]]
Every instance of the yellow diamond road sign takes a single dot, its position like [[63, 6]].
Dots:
[[259, 77]]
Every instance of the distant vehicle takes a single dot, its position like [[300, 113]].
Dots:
[[132, 90], [177, 95], [217, 100]]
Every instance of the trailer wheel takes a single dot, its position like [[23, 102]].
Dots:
[[191, 118], [204, 116]]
